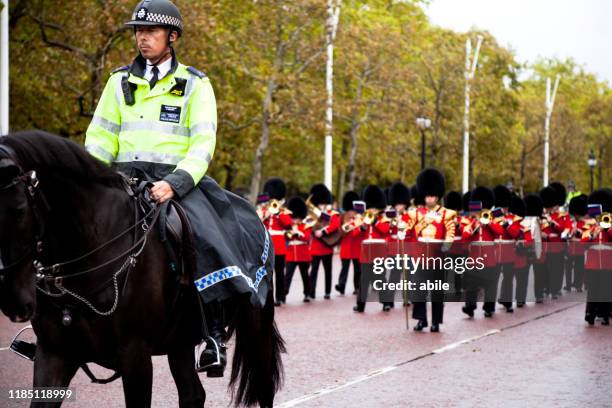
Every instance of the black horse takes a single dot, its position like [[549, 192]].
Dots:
[[120, 301]]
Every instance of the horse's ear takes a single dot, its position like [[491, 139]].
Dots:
[[8, 170]]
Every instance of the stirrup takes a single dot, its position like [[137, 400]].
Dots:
[[23, 348], [216, 368]]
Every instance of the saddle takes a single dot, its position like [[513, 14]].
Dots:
[[174, 229]]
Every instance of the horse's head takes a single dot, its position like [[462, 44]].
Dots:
[[17, 240]]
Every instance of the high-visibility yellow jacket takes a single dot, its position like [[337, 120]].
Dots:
[[170, 127]]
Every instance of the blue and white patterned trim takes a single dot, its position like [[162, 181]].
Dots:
[[229, 272]]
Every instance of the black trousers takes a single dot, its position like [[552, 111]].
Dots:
[[599, 293], [279, 278], [576, 263], [507, 273], [485, 279], [419, 305], [303, 272], [366, 283], [540, 280], [554, 263], [327, 266], [522, 281], [346, 264]]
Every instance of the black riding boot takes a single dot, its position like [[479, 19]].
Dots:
[[214, 357]]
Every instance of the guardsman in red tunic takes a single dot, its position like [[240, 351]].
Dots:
[[556, 229], [535, 245], [505, 240], [598, 257], [277, 220], [454, 201], [397, 239], [376, 228], [298, 245], [328, 224], [351, 242], [433, 230], [520, 264], [578, 212], [483, 231]]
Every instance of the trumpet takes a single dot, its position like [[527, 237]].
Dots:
[[313, 209], [486, 216], [274, 206], [370, 216], [352, 224], [605, 220]]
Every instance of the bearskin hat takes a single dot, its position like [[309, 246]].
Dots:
[[399, 194], [484, 195], [320, 194], [453, 201], [503, 196], [276, 188], [578, 205], [561, 192], [533, 205], [465, 201], [603, 197], [347, 200], [417, 199], [430, 182], [374, 197], [517, 205], [550, 197], [297, 206]]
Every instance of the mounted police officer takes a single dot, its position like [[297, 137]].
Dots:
[[157, 120]]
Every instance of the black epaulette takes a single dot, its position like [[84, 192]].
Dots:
[[196, 72], [123, 68]]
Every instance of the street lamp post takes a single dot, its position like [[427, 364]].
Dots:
[[423, 124], [592, 162]]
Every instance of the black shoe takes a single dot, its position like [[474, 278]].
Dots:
[[326, 297], [468, 311], [339, 289], [605, 321], [420, 325], [277, 303], [579, 290], [567, 289], [590, 319], [386, 307], [435, 328], [539, 300], [355, 292], [509, 310], [306, 299], [520, 304], [488, 314], [359, 308], [214, 358]]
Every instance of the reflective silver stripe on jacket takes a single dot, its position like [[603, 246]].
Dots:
[[100, 152], [151, 157], [106, 124], [156, 127]]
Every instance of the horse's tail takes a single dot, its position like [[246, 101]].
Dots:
[[257, 367]]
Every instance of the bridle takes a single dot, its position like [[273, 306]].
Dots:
[[51, 274]]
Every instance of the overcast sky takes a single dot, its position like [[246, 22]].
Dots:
[[581, 29]]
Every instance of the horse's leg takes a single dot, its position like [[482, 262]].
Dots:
[[182, 365], [136, 370], [51, 370]]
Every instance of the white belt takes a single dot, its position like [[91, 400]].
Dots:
[[482, 243], [296, 242], [504, 241], [430, 240], [374, 241], [276, 232], [601, 247]]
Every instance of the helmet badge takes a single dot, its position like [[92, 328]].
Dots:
[[142, 14]]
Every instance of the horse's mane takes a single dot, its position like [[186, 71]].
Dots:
[[45, 153]]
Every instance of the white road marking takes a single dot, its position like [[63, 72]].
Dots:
[[385, 370]]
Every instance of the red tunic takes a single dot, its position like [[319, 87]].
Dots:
[[318, 247], [298, 249], [561, 223], [599, 254], [351, 244], [374, 244], [277, 225]]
